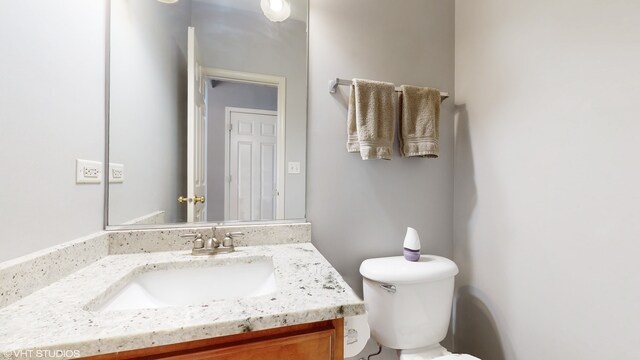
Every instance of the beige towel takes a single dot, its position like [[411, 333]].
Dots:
[[419, 121], [353, 145], [370, 122]]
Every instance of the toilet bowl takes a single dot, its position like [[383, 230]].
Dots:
[[409, 304]]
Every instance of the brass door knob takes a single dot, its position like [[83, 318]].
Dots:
[[183, 200], [198, 199]]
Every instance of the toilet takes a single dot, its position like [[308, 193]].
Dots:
[[409, 304]]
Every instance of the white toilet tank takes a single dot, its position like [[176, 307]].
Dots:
[[408, 303]]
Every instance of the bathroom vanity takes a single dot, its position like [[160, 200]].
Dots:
[[275, 296]]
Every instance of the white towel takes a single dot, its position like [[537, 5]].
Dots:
[[370, 123]]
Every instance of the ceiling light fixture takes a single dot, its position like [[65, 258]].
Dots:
[[276, 10]]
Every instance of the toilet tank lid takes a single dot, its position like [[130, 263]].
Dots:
[[398, 270]]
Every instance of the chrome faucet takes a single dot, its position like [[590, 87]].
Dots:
[[212, 245]]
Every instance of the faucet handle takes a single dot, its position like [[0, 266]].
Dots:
[[194, 236], [198, 243], [228, 238], [235, 233]]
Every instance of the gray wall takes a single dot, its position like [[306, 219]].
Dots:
[[546, 174], [546, 206], [148, 71], [258, 45], [234, 95], [51, 113], [360, 209]]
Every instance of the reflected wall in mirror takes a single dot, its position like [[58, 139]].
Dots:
[[207, 112]]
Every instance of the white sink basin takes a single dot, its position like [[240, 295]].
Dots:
[[194, 286]]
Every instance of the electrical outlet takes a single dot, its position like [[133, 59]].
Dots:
[[116, 173], [88, 172], [294, 167]]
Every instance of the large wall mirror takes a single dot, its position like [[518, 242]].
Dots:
[[207, 111]]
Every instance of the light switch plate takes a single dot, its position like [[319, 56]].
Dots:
[[116, 173], [88, 172], [294, 167]]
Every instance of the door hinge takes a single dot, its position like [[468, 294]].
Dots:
[[229, 127], [229, 178]]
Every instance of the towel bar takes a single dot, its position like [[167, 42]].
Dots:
[[333, 84]]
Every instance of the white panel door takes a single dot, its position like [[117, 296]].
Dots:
[[251, 185], [196, 131]]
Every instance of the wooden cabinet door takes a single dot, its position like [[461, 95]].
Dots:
[[311, 346], [323, 340]]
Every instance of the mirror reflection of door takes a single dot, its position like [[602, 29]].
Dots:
[[245, 165], [196, 133], [250, 188], [233, 168]]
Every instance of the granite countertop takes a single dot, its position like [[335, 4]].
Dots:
[[61, 317]]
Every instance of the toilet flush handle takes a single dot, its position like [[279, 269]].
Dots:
[[389, 288]]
